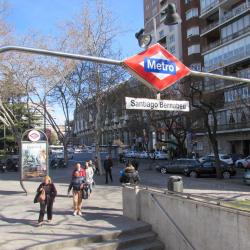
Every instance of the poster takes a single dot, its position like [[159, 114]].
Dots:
[[34, 160]]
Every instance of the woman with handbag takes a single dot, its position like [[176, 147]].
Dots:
[[46, 194]]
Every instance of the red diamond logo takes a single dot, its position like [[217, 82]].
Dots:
[[156, 67]]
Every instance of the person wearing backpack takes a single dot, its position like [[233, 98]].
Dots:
[[46, 193]]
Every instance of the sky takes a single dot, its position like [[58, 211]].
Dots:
[[44, 16]]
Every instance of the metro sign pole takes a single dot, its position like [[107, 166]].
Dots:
[[106, 61]]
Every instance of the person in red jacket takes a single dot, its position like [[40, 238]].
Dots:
[[79, 169]]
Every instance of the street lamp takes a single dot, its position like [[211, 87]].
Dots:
[[171, 18], [143, 39]]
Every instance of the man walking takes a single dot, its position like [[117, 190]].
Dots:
[[108, 164]]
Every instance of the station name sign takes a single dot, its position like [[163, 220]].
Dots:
[[155, 104]]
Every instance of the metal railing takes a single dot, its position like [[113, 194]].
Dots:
[[235, 12], [231, 14], [210, 6]]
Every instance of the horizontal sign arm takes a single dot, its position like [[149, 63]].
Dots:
[[217, 76], [60, 54]]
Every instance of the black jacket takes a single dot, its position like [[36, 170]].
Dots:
[[107, 164], [50, 192]]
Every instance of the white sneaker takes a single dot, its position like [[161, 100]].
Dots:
[[75, 213], [80, 213]]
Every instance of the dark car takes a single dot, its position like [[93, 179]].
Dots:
[[177, 166], [57, 161], [208, 168]]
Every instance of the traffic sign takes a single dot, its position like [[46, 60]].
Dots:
[[156, 67]]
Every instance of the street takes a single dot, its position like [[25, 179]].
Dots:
[[228, 189]]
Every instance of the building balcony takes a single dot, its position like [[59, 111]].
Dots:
[[235, 12], [225, 18], [211, 6], [209, 27], [217, 43], [226, 128], [228, 60]]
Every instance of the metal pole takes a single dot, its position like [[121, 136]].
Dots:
[[60, 54], [216, 76]]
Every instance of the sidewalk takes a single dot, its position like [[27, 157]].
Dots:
[[102, 213]]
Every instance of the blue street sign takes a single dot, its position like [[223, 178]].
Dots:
[[159, 66]]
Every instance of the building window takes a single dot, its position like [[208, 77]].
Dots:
[[236, 94], [171, 39], [154, 11], [187, 1], [192, 13], [154, 2], [194, 49], [161, 33], [194, 31], [172, 49], [195, 66]]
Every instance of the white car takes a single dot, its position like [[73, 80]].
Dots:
[[131, 154], [160, 155], [77, 150], [143, 155], [243, 163], [223, 157]]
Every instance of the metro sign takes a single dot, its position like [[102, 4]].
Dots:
[[156, 67]]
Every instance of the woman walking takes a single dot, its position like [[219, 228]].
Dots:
[[46, 197], [89, 175], [77, 184]]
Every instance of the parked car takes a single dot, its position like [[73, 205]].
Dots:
[[246, 177], [223, 157], [208, 168], [177, 166], [243, 163], [57, 161], [9, 163], [143, 155], [131, 154], [159, 155]]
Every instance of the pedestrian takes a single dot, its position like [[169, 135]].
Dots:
[[79, 169], [108, 164], [97, 170], [89, 175], [130, 175], [92, 165], [48, 190], [77, 183]]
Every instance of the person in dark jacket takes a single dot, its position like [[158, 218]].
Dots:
[[77, 184], [108, 164], [50, 194]]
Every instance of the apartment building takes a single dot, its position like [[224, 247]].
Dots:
[[225, 47], [167, 36]]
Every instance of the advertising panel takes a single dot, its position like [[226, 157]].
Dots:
[[34, 160]]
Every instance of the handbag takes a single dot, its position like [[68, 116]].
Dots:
[[42, 196], [85, 192]]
